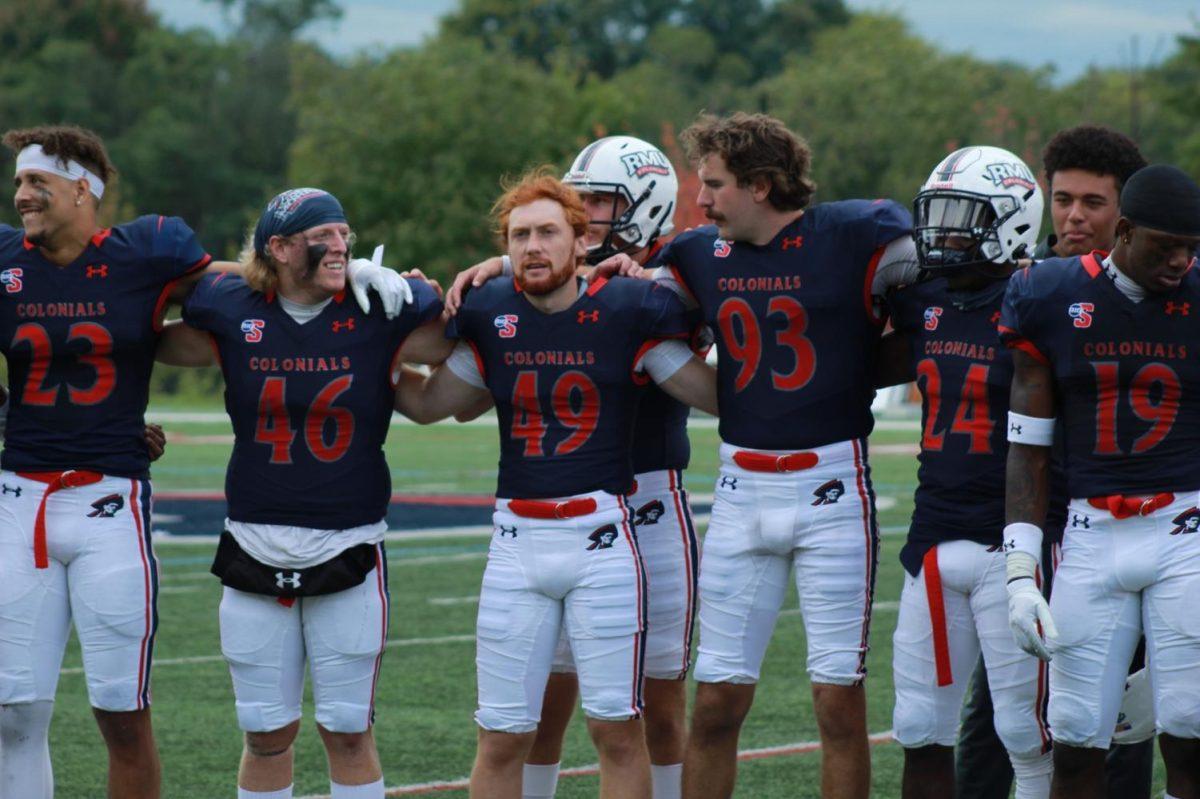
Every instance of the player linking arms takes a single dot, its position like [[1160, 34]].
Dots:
[[309, 390], [630, 212], [969, 234], [1108, 341], [561, 360]]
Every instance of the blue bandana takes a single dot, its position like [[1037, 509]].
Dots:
[[293, 211]]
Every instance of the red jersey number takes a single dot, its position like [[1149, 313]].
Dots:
[[972, 417], [575, 405], [99, 358], [1153, 396], [274, 428], [742, 335]]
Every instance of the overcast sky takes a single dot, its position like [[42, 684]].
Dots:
[[1069, 35]]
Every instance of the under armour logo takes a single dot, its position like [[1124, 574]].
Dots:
[[10, 490], [1181, 308], [588, 316], [1014, 428], [1081, 521], [338, 327], [97, 271], [287, 580], [795, 241], [508, 531], [995, 318], [729, 482]]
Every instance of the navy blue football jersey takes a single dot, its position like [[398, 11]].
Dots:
[[964, 374], [660, 439], [310, 403], [563, 383], [796, 325], [1127, 379], [80, 342]]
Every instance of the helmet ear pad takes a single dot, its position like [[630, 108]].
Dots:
[[983, 200]]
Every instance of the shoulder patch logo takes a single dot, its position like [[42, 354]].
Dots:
[[253, 329], [506, 325], [722, 248], [11, 279], [603, 537], [1081, 312], [107, 507], [931, 317]]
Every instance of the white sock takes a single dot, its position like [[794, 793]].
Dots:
[[282, 793], [371, 790], [667, 781], [25, 750], [1032, 773], [539, 782]]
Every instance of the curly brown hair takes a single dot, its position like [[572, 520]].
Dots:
[[67, 142], [1095, 149], [756, 146]]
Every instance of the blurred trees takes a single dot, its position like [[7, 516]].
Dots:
[[414, 141]]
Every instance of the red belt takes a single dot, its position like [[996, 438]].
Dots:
[[937, 618], [762, 462], [539, 509], [55, 481], [1122, 507]]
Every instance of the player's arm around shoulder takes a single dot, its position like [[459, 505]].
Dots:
[[693, 382], [430, 398], [427, 342], [180, 344]]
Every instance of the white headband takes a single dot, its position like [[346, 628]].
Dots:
[[34, 157]]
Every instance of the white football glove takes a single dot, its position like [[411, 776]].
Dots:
[[393, 290], [1026, 605], [1136, 721]]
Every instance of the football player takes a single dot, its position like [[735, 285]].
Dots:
[[1105, 343], [628, 187], [309, 390], [561, 359], [1085, 168], [80, 311], [975, 217]]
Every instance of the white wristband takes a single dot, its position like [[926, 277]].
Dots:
[[1023, 537], [1035, 430]]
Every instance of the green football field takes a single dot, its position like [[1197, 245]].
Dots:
[[426, 691]]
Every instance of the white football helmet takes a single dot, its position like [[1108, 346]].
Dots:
[[639, 172], [985, 195]]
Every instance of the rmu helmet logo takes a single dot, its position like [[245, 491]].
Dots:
[[646, 162], [931, 317], [11, 278], [253, 329], [721, 248], [506, 325], [1081, 312], [1007, 175]]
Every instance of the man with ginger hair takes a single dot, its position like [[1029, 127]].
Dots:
[[563, 360]]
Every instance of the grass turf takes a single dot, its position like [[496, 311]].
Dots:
[[426, 693]]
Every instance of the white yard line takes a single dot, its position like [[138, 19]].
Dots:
[[797, 748]]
